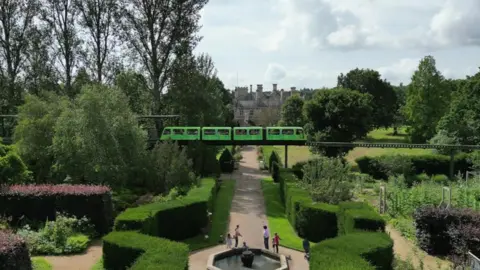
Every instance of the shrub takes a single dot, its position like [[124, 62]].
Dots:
[[42, 202], [274, 157], [186, 216], [275, 172], [13, 252], [12, 168], [437, 228], [429, 164], [226, 162], [297, 169], [362, 251], [133, 250], [358, 216], [65, 235]]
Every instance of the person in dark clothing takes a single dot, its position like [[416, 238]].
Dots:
[[306, 248], [237, 234]]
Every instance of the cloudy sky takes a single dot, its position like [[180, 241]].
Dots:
[[307, 43]]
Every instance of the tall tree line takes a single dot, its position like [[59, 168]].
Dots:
[[46, 45]]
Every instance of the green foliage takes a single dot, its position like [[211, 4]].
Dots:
[[462, 121], [328, 180], [138, 251], [292, 112], [357, 251], [12, 168], [204, 159], [135, 86], [39, 263], [384, 102], [226, 162], [427, 100], [35, 131], [150, 218], [358, 216], [429, 164], [338, 115], [65, 235], [442, 137], [394, 165], [273, 158], [170, 168], [275, 171], [97, 140]]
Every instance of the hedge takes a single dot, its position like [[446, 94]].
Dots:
[[42, 202], [268, 153], [275, 172], [358, 216], [440, 230], [314, 221], [356, 251], [226, 161], [122, 250], [186, 216], [429, 164], [13, 252]]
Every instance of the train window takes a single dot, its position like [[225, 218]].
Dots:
[[192, 132], [254, 131], [274, 131], [209, 131], [177, 131], [299, 131], [167, 132], [224, 132], [287, 132], [241, 132]]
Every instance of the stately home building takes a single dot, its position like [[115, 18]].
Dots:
[[250, 105]]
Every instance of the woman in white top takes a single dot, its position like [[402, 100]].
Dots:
[[229, 241]]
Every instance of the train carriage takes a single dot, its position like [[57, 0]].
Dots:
[[181, 133], [285, 134], [216, 133], [247, 133]]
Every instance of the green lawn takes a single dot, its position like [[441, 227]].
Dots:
[[302, 153], [277, 220], [40, 263], [220, 218], [98, 265]]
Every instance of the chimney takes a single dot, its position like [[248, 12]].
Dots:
[[281, 94], [251, 87], [259, 88], [274, 87], [293, 88]]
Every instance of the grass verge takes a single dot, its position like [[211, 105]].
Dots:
[[277, 219], [220, 218], [40, 263], [98, 265]]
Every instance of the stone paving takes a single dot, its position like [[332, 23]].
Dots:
[[248, 211]]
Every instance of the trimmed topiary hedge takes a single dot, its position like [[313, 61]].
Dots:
[[186, 216], [356, 251], [133, 250], [274, 158], [429, 164], [358, 216], [13, 252], [42, 202], [275, 172], [227, 164], [439, 231]]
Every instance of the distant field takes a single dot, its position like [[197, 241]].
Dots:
[[302, 153]]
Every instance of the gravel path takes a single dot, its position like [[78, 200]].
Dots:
[[83, 261]]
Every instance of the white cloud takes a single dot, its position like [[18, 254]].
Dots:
[[400, 71], [275, 73]]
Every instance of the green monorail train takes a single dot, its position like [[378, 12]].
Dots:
[[233, 134]]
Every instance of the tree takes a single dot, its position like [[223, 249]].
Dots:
[[399, 119], [135, 86], [427, 100], [60, 17], [97, 140], [338, 115], [384, 101], [267, 116], [292, 112], [461, 124], [96, 16], [16, 25], [35, 131], [156, 32]]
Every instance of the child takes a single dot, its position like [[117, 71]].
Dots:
[[229, 241], [276, 242]]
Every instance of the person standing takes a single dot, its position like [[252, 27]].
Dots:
[[266, 236], [229, 241], [306, 247], [276, 242], [237, 234]]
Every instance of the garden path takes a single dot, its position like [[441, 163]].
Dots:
[[83, 261], [248, 211]]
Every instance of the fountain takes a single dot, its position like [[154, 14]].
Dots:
[[247, 259]]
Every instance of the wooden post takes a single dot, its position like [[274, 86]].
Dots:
[[286, 156], [452, 163]]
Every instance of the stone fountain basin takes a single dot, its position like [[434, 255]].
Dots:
[[238, 251]]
